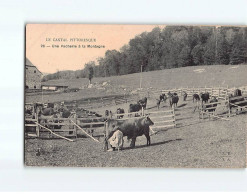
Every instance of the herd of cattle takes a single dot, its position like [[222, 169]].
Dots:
[[132, 126]]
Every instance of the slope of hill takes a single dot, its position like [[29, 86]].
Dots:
[[197, 76]]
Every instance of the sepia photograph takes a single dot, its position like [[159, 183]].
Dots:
[[154, 96]]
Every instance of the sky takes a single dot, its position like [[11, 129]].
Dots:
[[40, 39]]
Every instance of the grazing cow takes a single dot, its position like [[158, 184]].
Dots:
[[185, 95], [163, 97], [135, 108], [120, 111], [211, 107], [173, 98], [131, 128], [205, 97], [143, 102], [196, 97]]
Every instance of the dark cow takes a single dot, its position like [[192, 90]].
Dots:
[[196, 97], [50, 105], [135, 108], [185, 95], [120, 111], [108, 113], [163, 97], [131, 128], [143, 102], [237, 92], [173, 98], [205, 97], [64, 113]]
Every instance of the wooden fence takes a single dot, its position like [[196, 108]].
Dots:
[[218, 110], [163, 119], [219, 92]]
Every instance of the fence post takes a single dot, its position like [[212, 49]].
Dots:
[[173, 111], [219, 92], [37, 127], [229, 110], [75, 126]]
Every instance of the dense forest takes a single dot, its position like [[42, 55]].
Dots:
[[171, 47]]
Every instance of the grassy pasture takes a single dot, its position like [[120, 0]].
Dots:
[[195, 76]]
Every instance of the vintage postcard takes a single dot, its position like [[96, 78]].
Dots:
[[135, 96]]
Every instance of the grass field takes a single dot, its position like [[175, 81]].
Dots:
[[197, 76], [194, 143]]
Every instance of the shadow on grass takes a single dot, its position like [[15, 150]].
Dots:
[[182, 105], [180, 119], [151, 108], [154, 144]]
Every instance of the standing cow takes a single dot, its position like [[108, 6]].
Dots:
[[173, 99], [163, 97], [134, 108], [204, 97], [131, 128], [143, 102], [120, 111]]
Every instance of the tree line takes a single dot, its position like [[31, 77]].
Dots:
[[170, 47]]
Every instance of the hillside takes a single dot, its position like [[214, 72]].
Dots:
[[197, 76]]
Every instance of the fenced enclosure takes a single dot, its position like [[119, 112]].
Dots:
[[49, 127]]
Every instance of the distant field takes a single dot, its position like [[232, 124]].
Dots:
[[195, 76]]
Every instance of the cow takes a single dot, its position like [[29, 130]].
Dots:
[[143, 102], [134, 108], [163, 97], [173, 98], [120, 111], [196, 97], [108, 113], [50, 105], [237, 92], [204, 97], [131, 128], [185, 95]]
